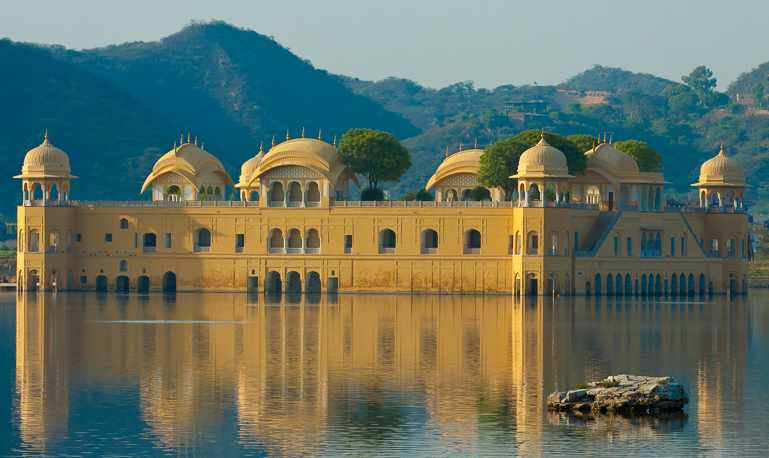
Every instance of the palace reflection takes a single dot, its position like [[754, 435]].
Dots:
[[346, 372]]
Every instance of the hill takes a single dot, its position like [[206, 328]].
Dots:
[[745, 82], [112, 138], [615, 80], [235, 87]]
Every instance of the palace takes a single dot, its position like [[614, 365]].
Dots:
[[606, 231]]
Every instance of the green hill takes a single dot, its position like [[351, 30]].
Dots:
[[235, 87], [615, 80], [112, 138], [745, 82]]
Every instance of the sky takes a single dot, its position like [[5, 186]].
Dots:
[[437, 43]]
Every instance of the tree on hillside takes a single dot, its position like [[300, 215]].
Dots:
[[575, 157], [643, 107], [498, 162], [584, 142], [758, 94], [378, 156], [682, 101], [701, 81], [422, 195], [648, 160]]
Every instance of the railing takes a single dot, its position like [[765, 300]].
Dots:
[[157, 203], [276, 204], [552, 252], [294, 204], [313, 204], [291, 250], [198, 248], [238, 249], [149, 249], [276, 250], [312, 250], [418, 203], [469, 250], [347, 249], [386, 250], [426, 250], [712, 254], [628, 208]]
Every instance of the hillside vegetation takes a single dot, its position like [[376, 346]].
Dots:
[[615, 80]]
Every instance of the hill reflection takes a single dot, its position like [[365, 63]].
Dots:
[[370, 374]]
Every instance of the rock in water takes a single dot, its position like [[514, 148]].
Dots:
[[623, 393]]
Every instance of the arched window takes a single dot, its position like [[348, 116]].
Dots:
[[123, 266], [294, 241], [597, 284], [643, 198], [658, 245], [472, 242], [643, 244], [276, 241], [53, 192], [217, 193], [466, 195], [518, 243], [313, 193], [123, 223], [429, 241], [731, 246], [387, 241], [149, 242], [34, 241], [313, 241], [294, 194], [534, 192], [202, 241], [276, 194], [657, 199], [53, 241], [553, 243], [451, 195], [713, 244], [609, 285], [532, 243]]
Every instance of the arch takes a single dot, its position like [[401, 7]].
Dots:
[[387, 241], [101, 284], [149, 242], [552, 238], [123, 223], [682, 284], [674, 284], [451, 195], [144, 284], [643, 198], [532, 283], [691, 284], [532, 243], [202, 240], [218, 193], [34, 241], [53, 241], [53, 191], [313, 239], [587, 288], [534, 192], [657, 199], [25, 189], [618, 286], [123, 266], [593, 196], [276, 192], [624, 195], [429, 241], [313, 192], [69, 279], [643, 244], [293, 282], [658, 245], [731, 246], [472, 240], [658, 285], [466, 194], [273, 283], [650, 202], [628, 285], [552, 284], [20, 242], [644, 285], [53, 281], [173, 193], [312, 282], [253, 196], [69, 241], [294, 239], [37, 191], [566, 289], [276, 239], [294, 192], [744, 285], [710, 289], [609, 285], [702, 284], [122, 284], [169, 282], [597, 284], [713, 244]]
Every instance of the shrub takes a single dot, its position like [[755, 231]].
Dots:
[[370, 194], [581, 386], [608, 383]]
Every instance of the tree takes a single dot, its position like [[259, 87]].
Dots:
[[378, 156], [575, 157], [648, 160], [422, 195], [584, 142], [701, 81], [371, 194], [682, 101], [480, 193], [758, 94], [498, 162], [575, 107], [643, 107]]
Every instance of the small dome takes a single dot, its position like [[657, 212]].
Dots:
[[250, 166], [46, 157], [612, 158], [466, 161], [722, 168], [543, 158]]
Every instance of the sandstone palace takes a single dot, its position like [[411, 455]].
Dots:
[[608, 231]]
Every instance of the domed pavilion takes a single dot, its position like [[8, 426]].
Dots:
[[722, 179], [457, 176], [45, 175], [541, 167]]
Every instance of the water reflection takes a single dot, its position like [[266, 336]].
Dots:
[[376, 374]]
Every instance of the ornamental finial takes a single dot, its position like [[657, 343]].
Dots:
[[721, 153], [287, 137], [447, 152], [320, 137], [273, 141], [542, 134], [188, 137], [460, 146], [302, 132], [46, 135], [196, 140], [203, 146], [476, 143], [610, 139], [261, 147], [334, 141]]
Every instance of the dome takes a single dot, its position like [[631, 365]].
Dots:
[[611, 158], [250, 166], [467, 161], [191, 162], [46, 157], [722, 168], [543, 158]]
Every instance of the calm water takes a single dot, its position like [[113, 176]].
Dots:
[[83, 374]]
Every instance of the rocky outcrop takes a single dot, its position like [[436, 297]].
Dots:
[[623, 393]]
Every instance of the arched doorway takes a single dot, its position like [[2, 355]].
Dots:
[[202, 241], [144, 284], [618, 289], [273, 283], [628, 285], [702, 284], [101, 284], [313, 282], [587, 289], [658, 284], [429, 241], [644, 285], [294, 281], [122, 284], [598, 284], [691, 284], [610, 285], [674, 285], [169, 282]]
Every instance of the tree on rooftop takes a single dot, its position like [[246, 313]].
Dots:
[[378, 156], [498, 162], [648, 159]]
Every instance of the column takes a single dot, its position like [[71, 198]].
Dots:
[[526, 193], [304, 198], [285, 244], [304, 245], [558, 195], [285, 197]]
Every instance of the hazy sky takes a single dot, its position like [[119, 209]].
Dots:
[[437, 43]]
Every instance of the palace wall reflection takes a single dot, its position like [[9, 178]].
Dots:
[[468, 374]]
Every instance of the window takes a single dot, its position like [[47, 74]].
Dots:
[[630, 246], [136, 240], [743, 248], [240, 242], [107, 237], [672, 246], [683, 246], [78, 237], [616, 246], [123, 266], [576, 241], [83, 279], [123, 223], [348, 243], [168, 240]]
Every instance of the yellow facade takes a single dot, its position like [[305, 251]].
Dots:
[[295, 229]]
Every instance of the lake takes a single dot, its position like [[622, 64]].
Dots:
[[210, 374]]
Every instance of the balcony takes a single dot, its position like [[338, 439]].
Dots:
[[276, 250], [294, 250], [347, 249], [312, 204], [312, 251], [198, 248], [426, 250], [149, 249], [295, 204], [383, 249], [471, 250], [276, 204], [238, 249]]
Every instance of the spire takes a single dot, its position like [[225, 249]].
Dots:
[[447, 152], [721, 153], [593, 145], [334, 141], [273, 141], [610, 141], [203, 146], [460, 146], [188, 137], [476, 143], [604, 137], [261, 147], [196, 140], [174, 147], [320, 137], [302, 132], [46, 137], [287, 137], [181, 139], [542, 135]]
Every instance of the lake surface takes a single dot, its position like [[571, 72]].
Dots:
[[84, 374]]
